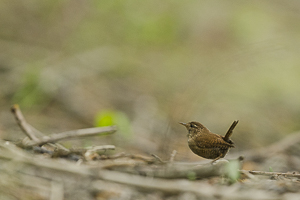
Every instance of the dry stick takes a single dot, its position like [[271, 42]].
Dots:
[[75, 133], [270, 173], [29, 130], [20, 157], [99, 148], [174, 171], [91, 152], [93, 149], [11, 152], [26, 128], [157, 158]]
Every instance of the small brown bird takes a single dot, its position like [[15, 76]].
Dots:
[[207, 144]]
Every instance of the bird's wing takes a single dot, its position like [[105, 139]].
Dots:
[[207, 141]]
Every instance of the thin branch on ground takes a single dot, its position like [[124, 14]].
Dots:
[[158, 158], [74, 134], [91, 153], [270, 173], [31, 132], [174, 171], [26, 128], [100, 148]]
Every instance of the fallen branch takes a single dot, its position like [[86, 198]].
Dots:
[[47, 168], [171, 170], [59, 179], [15, 154], [164, 171], [150, 184]]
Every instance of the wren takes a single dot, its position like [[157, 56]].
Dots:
[[207, 144]]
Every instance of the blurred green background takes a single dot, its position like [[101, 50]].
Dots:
[[146, 65]]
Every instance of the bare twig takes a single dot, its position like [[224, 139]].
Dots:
[[115, 156], [13, 153], [270, 173], [92, 149], [100, 148], [145, 159], [91, 152], [26, 128], [35, 141], [157, 158], [75, 133], [29, 130]]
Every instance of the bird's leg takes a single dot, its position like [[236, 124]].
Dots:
[[220, 156]]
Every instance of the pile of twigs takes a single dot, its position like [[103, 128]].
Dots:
[[38, 167]]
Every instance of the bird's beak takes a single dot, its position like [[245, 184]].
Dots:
[[184, 124]]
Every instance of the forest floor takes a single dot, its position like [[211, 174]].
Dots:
[[38, 167]]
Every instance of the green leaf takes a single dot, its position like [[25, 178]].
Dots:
[[232, 170], [270, 169], [117, 118]]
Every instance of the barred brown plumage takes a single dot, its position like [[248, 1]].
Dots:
[[206, 144]]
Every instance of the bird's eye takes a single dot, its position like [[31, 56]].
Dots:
[[193, 126]]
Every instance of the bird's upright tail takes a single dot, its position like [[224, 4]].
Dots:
[[229, 132]]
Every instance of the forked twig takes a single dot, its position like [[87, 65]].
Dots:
[[35, 141]]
